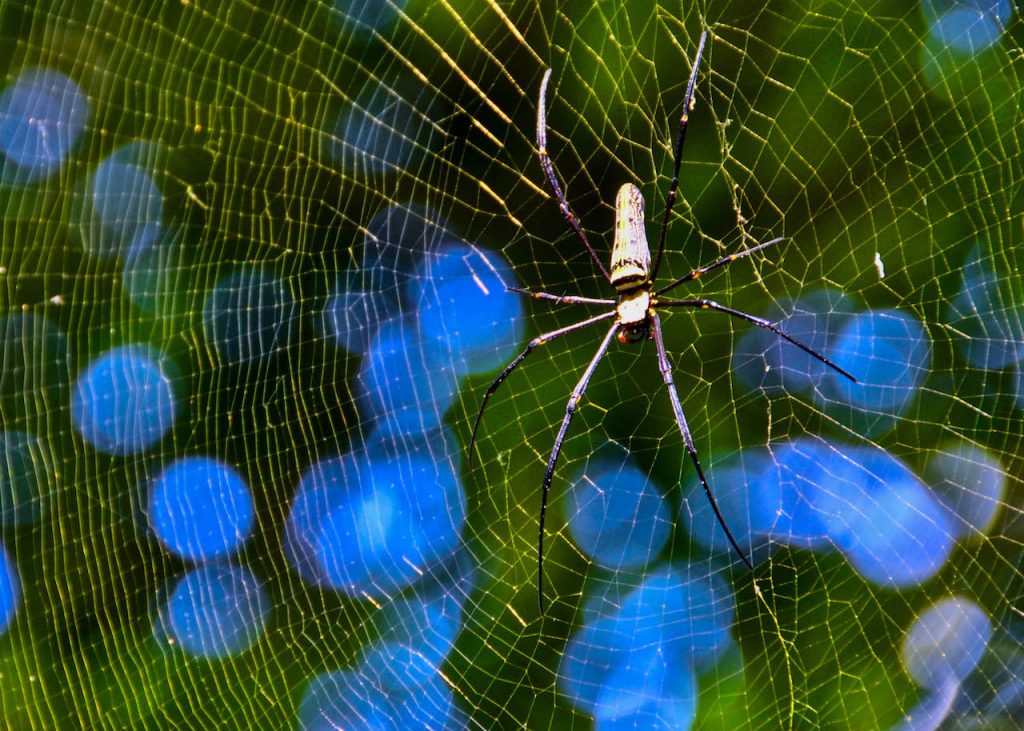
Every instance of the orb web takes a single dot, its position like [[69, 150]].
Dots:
[[255, 272]]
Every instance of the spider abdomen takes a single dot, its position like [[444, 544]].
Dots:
[[631, 256]]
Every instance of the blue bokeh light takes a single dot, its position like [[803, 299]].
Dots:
[[10, 590], [683, 616], [692, 608], [764, 360], [647, 690], [1000, 10], [350, 318], [633, 683], [123, 207], [591, 657], [987, 316], [946, 642], [396, 241], [216, 610], [404, 382], [967, 30], [42, 115], [747, 497], [807, 493], [418, 634], [349, 699], [342, 699], [374, 521], [931, 711], [249, 316], [889, 525], [367, 18], [967, 26], [402, 516], [970, 484], [124, 400], [803, 469], [464, 307], [617, 515], [321, 489], [387, 126], [24, 478], [889, 353], [200, 508]]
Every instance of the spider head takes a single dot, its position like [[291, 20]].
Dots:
[[634, 333]]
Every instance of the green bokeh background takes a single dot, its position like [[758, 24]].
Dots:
[[837, 125]]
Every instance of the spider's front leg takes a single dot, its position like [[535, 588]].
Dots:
[[549, 172]]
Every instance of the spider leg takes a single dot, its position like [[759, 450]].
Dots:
[[724, 261], [549, 172], [570, 409], [539, 340], [703, 304], [561, 299], [677, 407], [680, 138]]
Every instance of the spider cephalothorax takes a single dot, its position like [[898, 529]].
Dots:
[[634, 314]]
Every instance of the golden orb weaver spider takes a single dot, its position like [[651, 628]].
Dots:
[[635, 311]]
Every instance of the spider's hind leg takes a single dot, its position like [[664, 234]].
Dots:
[[570, 409], [537, 341], [666, 373]]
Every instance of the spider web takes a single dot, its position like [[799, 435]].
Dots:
[[254, 264]]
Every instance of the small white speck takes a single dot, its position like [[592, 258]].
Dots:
[[879, 265], [57, 299]]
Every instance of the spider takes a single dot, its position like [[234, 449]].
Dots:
[[634, 314]]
